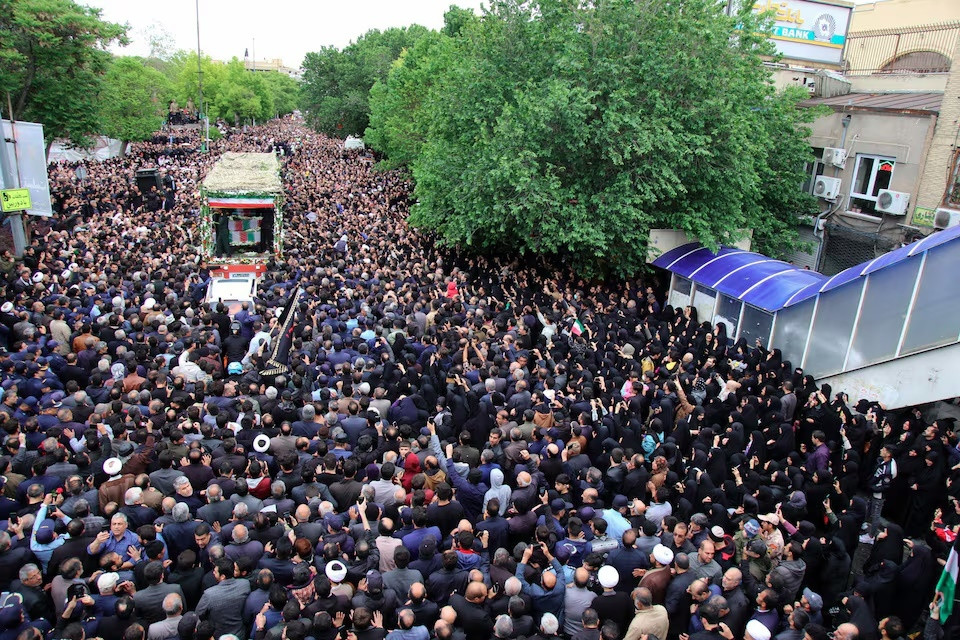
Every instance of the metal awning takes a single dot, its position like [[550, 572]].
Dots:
[[751, 277]]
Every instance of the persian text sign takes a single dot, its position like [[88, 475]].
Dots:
[[808, 30], [15, 200]]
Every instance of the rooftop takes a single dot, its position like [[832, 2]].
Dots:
[[892, 102]]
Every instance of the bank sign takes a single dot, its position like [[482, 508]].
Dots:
[[807, 30]]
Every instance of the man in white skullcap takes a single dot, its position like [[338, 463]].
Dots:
[[658, 576]]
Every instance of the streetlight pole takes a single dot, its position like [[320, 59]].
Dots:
[[203, 117]]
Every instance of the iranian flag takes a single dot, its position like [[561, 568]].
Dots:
[[948, 584], [577, 328]]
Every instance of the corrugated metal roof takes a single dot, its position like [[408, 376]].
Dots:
[[888, 102]]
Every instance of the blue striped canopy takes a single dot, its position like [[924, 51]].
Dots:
[[772, 284], [751, 277]]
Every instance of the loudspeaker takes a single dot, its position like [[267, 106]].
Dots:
[[149, 177]]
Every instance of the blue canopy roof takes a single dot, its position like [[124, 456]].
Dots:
[[772, 284], [754, 278]]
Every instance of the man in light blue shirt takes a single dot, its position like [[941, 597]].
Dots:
[[118, 540], [616, 522], [44, 539]]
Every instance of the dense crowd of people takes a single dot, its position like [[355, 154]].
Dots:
[[461, 447]]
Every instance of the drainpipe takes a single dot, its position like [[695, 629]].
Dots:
[[829, 211]]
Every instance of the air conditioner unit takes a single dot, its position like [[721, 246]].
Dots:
[[827, 188], [946, 218], [893, 203], [835, 157]]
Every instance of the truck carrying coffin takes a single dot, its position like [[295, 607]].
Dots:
[[241, 216]]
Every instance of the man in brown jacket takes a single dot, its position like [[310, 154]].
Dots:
[[114, 489], [657, 578]]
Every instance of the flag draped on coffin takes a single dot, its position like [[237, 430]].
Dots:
[[244, 230]]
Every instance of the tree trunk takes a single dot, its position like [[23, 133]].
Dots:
[[123, 148]]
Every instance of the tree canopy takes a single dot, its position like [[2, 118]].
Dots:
[[572, 129], [336, 84], [52, 61], [231, 91], [134, 100]]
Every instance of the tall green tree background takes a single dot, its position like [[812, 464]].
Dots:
[[56, 67], [52, 62], [336, 83], [134, 101], [570, 129]]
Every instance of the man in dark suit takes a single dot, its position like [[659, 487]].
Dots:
[[149, 601], [216, 509], [472, 615]]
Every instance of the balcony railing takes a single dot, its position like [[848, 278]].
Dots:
[[908, 50]]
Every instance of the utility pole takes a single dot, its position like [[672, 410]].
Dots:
[[12, 181], [203, 117]]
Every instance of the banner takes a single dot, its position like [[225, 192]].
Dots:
[[809, 30]]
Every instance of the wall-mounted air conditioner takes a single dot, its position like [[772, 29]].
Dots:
[[835, 157], [946, 218], [827, 188], [892, 203]]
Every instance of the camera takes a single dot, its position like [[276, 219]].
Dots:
[[77, 591]]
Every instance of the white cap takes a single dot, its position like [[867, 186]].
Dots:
[[7, 307], [261, 443], [107, 581], [336, 571], [757, 630], [608, 576], [112, 466], [37, 277], [662, 554], [149, 303]]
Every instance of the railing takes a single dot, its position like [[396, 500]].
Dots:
[[908, 50]]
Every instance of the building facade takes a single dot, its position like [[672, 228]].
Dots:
[[886, 169]]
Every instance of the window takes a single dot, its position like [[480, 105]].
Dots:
[[704, 300], [953, 192], [680, 296], [812, 170], [871, 174]]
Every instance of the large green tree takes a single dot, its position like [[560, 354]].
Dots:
[[336, 84], [134, 100], [186, 76], [52, 60], [231, 91], [284, 89], [242, 95], [396, 126], [570, 128]]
